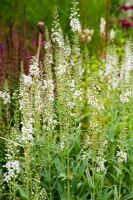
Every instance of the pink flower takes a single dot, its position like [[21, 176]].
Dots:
[[131, 7], [125, 8], [126, 24]]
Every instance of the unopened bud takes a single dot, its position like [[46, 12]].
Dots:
[[40, 26]]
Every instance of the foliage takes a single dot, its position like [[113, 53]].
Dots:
[[66, 133]]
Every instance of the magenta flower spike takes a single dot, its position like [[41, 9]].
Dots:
[[126, 8], [126, 24]]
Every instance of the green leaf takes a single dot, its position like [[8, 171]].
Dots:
[[106, 196], [128, 196], [61, 191], [84, 197], [59, 165], [22, 192], [77, 175]]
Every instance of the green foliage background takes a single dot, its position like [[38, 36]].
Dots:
[[42, 10]]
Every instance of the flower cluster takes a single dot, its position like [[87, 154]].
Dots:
[[121, 152], [75, 24], [126, 73], [100, 164], [125, 96], [74, 18], [102, 27], [75, 95], [100, 161], [56, 35], [5, 96], [67, 50], [49, 85], [122, 156], [27, 131], [34, 67], [13, 169], [38, 96], [126, 15], [47, 45], [94, 100], [62, 68], [112, 35], [27, 80], [127, 65], [112, 70], [26, 109], [86, 151]]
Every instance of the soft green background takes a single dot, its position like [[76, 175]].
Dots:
[[42, 10]]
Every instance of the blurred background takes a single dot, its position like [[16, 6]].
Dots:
[[19, 33]]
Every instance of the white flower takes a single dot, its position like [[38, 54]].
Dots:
[[87, 141], [47, 45], [72, 84], [75, 25], [27, 132], [50, 58], [62, 145], [13, 168], [77, 94], [86, 155], [122, 156], [57, 37], [124, 97], [95, 103], [5, 96], [2, 94], [112, 34], [114, 82], [7, 99], [102, 26], [27, 80], [74, 18], [101, 164], [62, 68], [71, 104], [49, 85], [7, 178], [67, 51], [34, 68]]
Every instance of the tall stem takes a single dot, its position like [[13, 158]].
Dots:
[[39, 46], [68, 185], [84, 14], [107, 20]]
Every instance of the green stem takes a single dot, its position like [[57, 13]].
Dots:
[[50, 183], [27, 169], [84, 6], [68, 184]]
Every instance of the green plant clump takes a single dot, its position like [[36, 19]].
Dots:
[[67, 132]]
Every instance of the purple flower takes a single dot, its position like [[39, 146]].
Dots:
[[1, 45], [125, 8], [131, 7], [126, 24]]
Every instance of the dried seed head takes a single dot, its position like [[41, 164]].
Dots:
[[40, 26], [86, 35]]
